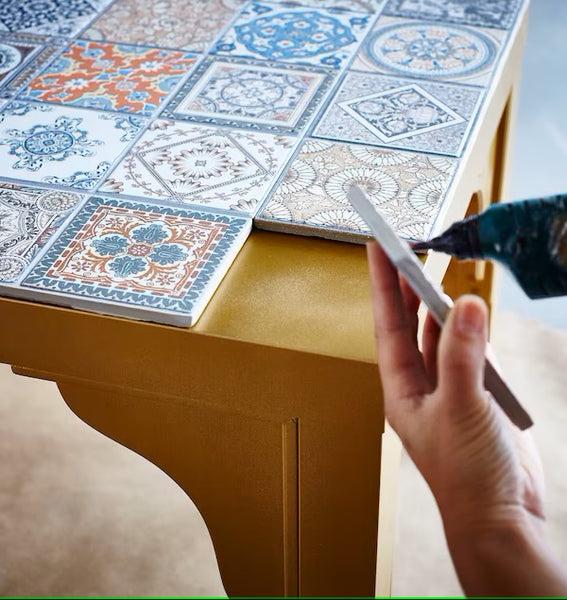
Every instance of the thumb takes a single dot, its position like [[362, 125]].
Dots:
[[462, 349]]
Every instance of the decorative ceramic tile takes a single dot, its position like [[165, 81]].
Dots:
[[139, 260], [69, 146], [430, 50], [289, 33], [370, 6], [111, 76], [401, 113], [52, 17], [21, 56], [207, 166], [28, 219], [483, 13], [241, 92], [407, 188], [193, 25]]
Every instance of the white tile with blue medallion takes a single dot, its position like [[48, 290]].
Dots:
[[202, 165], [401, 113], [500, 14], [295, 34], [241, 92], [29, 217], [428, 50], [63, 145], [52, 17], [138, 260]]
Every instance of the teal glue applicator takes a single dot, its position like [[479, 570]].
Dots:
[[529, 237]]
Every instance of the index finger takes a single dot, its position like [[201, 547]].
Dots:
[[400, 362]]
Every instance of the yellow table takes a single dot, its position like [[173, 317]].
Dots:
[[268, 412]]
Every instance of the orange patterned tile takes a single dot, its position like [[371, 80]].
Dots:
[[111, 76]]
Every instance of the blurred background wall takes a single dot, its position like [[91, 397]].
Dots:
[[540, 147]]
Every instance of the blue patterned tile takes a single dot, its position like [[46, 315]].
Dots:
[[428, 50], [191, 163], [29, 217], [482, 13], [261, 95], [52, 17], [289, 33], [69, 146], [135, 259], [21, 56], [401, 113]]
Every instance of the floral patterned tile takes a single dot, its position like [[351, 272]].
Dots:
[[206, 166], [29, 216], [69, 146], [192, 25], [241, 92], [482, 13], [428, 50], [111, 76], [51, 17], [295, 34], [21, 56], [401, 113], [137, 260], [408, 189]]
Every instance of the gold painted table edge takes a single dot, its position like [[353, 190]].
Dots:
[[268, 412]]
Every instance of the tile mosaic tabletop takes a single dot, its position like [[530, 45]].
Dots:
[[139, 141]]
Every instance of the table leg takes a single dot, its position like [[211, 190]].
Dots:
[[290, 497], [239, 472]]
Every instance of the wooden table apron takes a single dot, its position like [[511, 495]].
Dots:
[[268, 412]]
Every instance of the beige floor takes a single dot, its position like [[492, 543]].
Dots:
[[80, 515]]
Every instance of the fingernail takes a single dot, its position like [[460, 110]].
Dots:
[[470, 318]]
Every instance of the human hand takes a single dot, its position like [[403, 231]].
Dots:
[[485, 474]]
